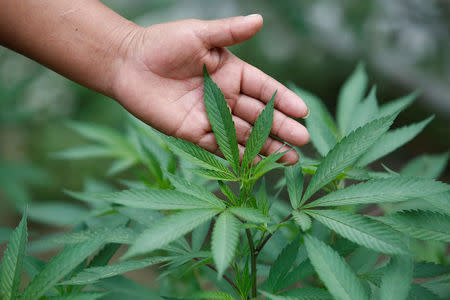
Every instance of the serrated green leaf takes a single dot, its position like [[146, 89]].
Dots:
[[260, 133], [169, 229], [396, 282], [196, 155], [346, 152], [60, 266], [93, 274], [392, 140], [231, 196], [282, 265], [267, 164], [225, 237], [350, 95], [439, 201], [428, 166], [160, 199], [221, 121], [397, 105], [80, 296], [361, 230], [211, 295], [302, 219], [337, 275], [362, 260], [127, 289], [249, 214], [294, 183], [189, 187], [213, 174], [303, 270], [365, 112], [422, 225], [418, 292], [320, 123], [394, 189], [12, 263]]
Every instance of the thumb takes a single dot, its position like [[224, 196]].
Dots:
[[230, 31]]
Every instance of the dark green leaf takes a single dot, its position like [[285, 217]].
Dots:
[[282, 265]]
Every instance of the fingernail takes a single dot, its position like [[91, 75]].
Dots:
[[252, 16], [307, 114]]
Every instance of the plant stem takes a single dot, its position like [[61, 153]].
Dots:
[[252, 261], [259, 248], [228, 279]]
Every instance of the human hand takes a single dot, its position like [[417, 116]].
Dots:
[[160, 80]]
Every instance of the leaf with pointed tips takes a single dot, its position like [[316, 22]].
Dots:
[[346, 152], [361, 230], [282, 265], [221, 121], [337, 275], [391, 141], [260, 133], [302, 219], [428, 166], [320, 123], [395, 189], [169, 229], [93, 274], [60, 266], [350, 95], [213, 174], [12, 263], [249, 214], [160, 199], [397, 105], [422, 225], [396, 282], [365, 112], [225, 237], [294, 182]]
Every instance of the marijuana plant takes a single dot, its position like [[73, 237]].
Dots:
[[325, 244]]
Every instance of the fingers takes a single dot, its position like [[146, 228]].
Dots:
[[230, 31], [261, 86], [283, 127]]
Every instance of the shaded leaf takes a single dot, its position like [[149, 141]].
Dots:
[[428, 166], [282, 265], [249, 214], [396, 282], [337, 275], [302, 219]]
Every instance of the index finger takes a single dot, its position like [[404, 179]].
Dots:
[[261, 86]]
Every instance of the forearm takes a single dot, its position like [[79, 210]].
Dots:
[[82, 40]]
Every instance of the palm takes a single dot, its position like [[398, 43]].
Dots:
[[164, 87]]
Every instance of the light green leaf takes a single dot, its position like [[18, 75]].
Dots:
[[365, 112], [260, 133], [196, 155], [160, 199], [440, 201], [84, 152], [267, 164], [128, 288], [225, 237], [282, 265], [60, 266], [188, 187], [169, 229], [211, 295], [231, 196], [320, 123], [294, 182], [346, 152], [221, 122], [422, 225], [395, 189], [120, 165], [12, 263], [302, 219], [396, 282], [350, 95], [397, 105], [428, 166], [392, 140], [337, 275], [213, 174], [361, 230], [80, 296], [56, 213], [249, 214], [93, 274], [199, 235], [308, 293]]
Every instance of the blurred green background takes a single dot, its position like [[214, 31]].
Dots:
[[405, 45]]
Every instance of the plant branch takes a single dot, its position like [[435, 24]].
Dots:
[[253, 260], [228, 279], [261, 245]]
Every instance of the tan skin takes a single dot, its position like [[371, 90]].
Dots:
[[155, 72]]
